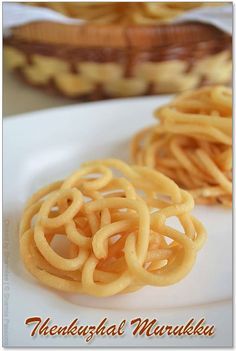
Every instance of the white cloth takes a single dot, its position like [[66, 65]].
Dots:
[[15, 14], [220, 17]]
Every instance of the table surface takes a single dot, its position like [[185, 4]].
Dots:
[[18, 97]]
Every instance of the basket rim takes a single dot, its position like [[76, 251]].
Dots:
[[115, 35]]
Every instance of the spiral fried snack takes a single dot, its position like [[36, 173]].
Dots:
[[116, 228], [192, 144], [124, 13]]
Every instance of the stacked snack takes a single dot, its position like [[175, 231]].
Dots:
[[192, 143], [122, 49], [124, 13], [115, 226]]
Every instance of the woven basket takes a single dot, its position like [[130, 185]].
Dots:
[[91, 62]]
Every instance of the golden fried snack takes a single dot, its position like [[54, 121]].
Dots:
[[124, 13], [113, 217], [192, 143]]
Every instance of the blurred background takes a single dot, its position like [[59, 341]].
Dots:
[[60, 53]]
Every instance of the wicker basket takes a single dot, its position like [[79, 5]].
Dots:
[[91, 62]]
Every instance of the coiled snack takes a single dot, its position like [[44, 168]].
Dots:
[[116, 228], [127, 12], [192, 144]]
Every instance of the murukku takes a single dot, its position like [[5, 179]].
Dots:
[[113, 217], [192, 143]]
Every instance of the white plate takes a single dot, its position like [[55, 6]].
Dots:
[[41, 147]]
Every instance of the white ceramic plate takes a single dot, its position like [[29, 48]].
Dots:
[[41, 147]]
